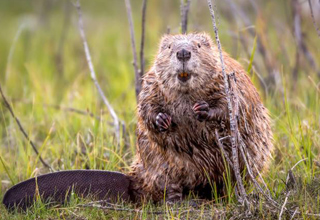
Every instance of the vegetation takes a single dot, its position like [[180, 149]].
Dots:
[[45, 77]]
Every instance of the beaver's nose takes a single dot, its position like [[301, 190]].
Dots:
[[183, 55]]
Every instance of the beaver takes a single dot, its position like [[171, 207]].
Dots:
[[182, 109], [181, 105]]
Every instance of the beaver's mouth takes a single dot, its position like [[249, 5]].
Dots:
[[184, 76]]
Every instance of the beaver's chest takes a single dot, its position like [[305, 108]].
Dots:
[[183, 116], [186, 132]]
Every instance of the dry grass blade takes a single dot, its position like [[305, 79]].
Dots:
[[93, 74], [23, 131], [232, 111], [7, 171], [134, 50]]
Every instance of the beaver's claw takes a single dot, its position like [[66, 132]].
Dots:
[[163, 121], [201, 110]]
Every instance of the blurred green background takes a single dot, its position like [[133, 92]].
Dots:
[[45, 76]]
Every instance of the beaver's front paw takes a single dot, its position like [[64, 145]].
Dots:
[[201, 110], [163, 121]]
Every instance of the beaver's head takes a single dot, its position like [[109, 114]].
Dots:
[[184, 62]]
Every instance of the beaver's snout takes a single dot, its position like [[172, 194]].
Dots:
[[183, 55]]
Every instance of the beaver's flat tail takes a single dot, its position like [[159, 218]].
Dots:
[[57, 187]]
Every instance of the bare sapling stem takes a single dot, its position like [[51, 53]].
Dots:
[[93, 74]]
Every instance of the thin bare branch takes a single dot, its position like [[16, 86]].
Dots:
[[235, 136], [267, 195], [143, 24], [78, 111], [292, 168], [246, 155], [222, 149], [23, 131], [70, 109], [267, 58], [184, 10], [313, 20], [294, 213], [254, 66], [261, 178], [181, 15], [296, 164], [301, 45], [105, 205], [284, 205], [134, 50], [93, 74], [168, 30], [232, 112]]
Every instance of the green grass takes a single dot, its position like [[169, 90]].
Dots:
[[48, 68]]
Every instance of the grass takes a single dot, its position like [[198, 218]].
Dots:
[[48, 69]]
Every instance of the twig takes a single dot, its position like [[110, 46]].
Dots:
[[182, 16], [313, 20], [23, 131], [71, 109], [296, 164], [168, 30], [184, 10], [245, 154], [301, 45], [267, 60], [78, 111], [105, 205], [233, 108], [275, 204], [254, 66], [134, 50], [78, 217], [222, 149], [317, 86], [232, 111], [143, 24], [284, 205], [93, 74], [294, 213], [260, 176]]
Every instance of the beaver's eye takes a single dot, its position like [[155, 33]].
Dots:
[[169, 46], [199, 45]]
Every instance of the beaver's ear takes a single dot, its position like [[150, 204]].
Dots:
[[205, 39], [165, 42]]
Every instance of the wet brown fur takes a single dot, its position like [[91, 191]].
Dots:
[[186, 157]]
